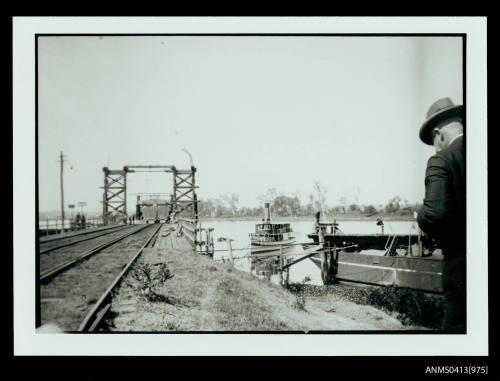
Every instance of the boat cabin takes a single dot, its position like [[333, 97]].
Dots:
[[268, 228]]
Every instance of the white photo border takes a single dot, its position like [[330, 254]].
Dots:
[[28, 342]]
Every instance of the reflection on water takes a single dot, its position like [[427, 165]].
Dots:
[[255, 263], [266, 264]]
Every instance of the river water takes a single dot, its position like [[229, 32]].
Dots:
[[239, 230]]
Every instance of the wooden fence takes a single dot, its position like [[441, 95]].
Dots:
[[201, 239]]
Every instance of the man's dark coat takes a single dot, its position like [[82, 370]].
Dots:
[[443, 214]]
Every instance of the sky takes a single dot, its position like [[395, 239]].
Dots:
[[254, 112]]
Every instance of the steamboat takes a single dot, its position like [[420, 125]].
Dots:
[[269, 236]]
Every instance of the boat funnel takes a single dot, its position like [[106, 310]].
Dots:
[[267, 216]]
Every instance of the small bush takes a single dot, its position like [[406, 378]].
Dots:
[[299, 290], [149, 278], [413, 307], [299, 303]]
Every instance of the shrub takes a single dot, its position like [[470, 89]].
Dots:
[[299, 303], [413, 307], [150, 277]]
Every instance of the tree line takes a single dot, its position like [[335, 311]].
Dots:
[[282, 205]]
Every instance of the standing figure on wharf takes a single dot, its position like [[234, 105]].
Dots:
[[442, 216]]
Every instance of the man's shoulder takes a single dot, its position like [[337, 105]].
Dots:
[[437, 160], [456, 146], [448, 154]]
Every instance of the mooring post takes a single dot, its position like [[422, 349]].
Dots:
[[419, 242], [287, 271], [321, 238], [209, 238], [280, 264], [334, 257], [324, 259], [230, 249]]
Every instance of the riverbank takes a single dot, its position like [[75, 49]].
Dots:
[[207, 295]]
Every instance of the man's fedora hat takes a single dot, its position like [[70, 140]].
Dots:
[[441, 111]]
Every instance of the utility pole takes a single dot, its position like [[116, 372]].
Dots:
[[61, 160]]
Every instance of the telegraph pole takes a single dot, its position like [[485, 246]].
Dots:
[[61, 160]]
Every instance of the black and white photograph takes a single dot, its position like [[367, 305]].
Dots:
[[289, 179]]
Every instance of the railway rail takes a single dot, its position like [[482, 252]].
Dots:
[[71, 300], [103, 305], [47, 239], [47, 274], [70, 240]]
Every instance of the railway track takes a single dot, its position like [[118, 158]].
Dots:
[[61, 242], [103, 305], [57, 262], [78, 298], [46, 239]]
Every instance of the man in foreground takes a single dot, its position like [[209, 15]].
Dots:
[[442, 217]]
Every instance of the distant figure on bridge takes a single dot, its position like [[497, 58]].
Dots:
[[83, 221], [78, 220], [138, 213]]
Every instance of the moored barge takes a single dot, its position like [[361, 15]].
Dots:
[[405, 260]]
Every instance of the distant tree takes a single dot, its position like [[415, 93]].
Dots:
[[309, 208], [256, 211], [219, 208], [393, 205], [231, 202], [354, 207], [319, 196], [295, 206], [205, 207], [369, 209], [269, 196], [343, 203], [286, 206]]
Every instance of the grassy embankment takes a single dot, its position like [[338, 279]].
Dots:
[[204, 295]]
